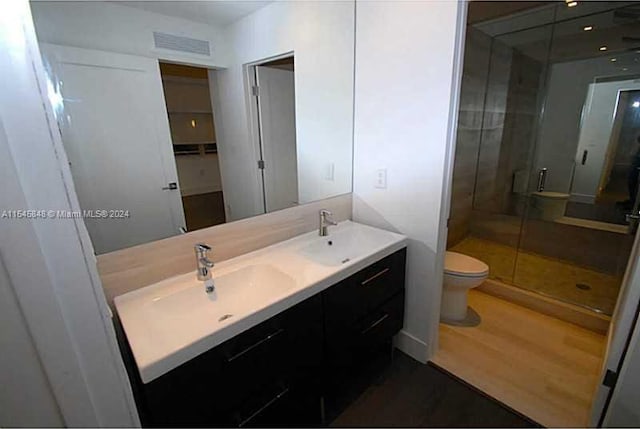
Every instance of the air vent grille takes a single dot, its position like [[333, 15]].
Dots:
[[180, 43]]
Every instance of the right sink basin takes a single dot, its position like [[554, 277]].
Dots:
[[344, 245]]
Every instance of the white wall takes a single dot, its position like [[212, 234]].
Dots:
[[198, 174], [111, 27], [50, 262], [566, 93], [26, 398], [408, 70], [320, 34]]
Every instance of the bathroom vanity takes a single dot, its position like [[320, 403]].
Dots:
[[284, 327]]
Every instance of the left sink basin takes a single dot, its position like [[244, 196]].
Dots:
[[236, 293], [175, 320]]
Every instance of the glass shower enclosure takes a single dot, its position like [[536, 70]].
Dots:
[[548, 148]]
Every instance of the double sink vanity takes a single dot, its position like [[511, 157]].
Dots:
[[275, 341]]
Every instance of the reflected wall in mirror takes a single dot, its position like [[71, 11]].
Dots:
[[179, 115]]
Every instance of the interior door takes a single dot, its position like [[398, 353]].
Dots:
[[594, 140], [276, 105], [115, 131]]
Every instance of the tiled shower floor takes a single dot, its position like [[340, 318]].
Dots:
[[549, 276]]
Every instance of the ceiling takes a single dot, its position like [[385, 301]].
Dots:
[[480, 11], [219, 13], [615, 25]]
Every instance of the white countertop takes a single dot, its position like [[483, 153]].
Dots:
[[173, 321]]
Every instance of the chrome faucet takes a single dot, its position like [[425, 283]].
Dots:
[[204, 266], [326, 220]]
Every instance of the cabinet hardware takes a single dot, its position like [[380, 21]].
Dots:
[[373, 277], [376, 323], [253, 346], [264, 407]]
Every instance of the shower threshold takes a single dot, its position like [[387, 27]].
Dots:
[[583, 316]]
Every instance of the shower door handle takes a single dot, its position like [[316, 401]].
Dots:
[[542, 178]]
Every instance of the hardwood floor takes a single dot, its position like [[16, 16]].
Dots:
[[543, 274], [540, 366], [203, 210], [410, 394]]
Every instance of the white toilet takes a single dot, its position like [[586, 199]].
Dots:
[[461, 273]]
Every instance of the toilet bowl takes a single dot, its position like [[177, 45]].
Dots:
[[461, 273], [548, 206]]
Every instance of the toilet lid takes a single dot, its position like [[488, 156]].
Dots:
[[463, 265]]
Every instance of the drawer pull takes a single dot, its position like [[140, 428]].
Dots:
[[376, 323], [253, 346], [264, 407], [373, 277]]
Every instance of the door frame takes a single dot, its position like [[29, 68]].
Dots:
[[623, 320], [255, 140]]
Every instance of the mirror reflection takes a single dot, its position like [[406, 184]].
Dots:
[[177, 116], [545, 183]]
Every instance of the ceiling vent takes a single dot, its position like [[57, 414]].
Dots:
[[180, 43]]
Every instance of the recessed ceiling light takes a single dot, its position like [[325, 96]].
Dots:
[[603, 48], [636, 104], [572, 3], [613, 60], [588, 28]]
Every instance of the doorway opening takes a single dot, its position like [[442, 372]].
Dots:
[[544, 193], [272, 86], [187, 95]]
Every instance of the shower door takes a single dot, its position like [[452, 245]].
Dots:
[[548, 150], [575, 238], [503, 79]]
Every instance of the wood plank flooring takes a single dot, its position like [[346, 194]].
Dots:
[[540, 366]]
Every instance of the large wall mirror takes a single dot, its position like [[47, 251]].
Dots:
[[180, 115]]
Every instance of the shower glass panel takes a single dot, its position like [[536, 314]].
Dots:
[[502, 91], [548, 150], [575, 239]]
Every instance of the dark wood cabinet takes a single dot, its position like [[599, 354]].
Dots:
[[279, 372], [361, 315]]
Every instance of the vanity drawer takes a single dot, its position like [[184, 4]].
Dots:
[[283, 404], [210, 389], [357, 296], [354, 351], [287, 345], [346, 346]]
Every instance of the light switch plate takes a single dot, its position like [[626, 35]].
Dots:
[[381, 178], [329, 174]]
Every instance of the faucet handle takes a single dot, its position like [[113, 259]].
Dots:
[[202, 250]]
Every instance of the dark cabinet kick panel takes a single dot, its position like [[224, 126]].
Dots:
[[279, 372]]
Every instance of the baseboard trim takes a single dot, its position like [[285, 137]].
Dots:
[[412, 346], [560, 310]]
